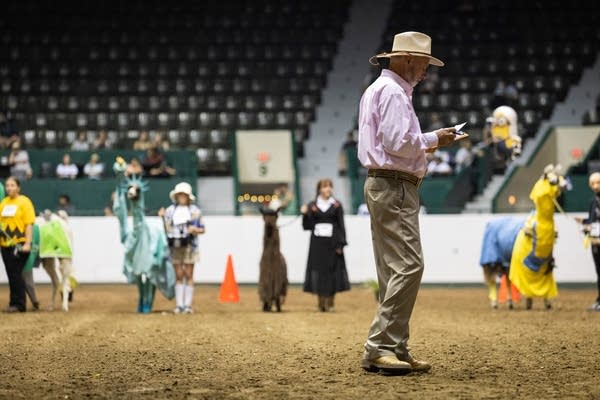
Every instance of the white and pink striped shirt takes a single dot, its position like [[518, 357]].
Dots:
[[389, 134]]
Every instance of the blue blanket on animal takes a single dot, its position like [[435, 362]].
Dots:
[[499, 239]]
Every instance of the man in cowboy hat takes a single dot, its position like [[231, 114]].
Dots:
[[392, 147]]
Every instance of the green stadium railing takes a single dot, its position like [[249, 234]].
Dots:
[[91, 197], [439, 195]]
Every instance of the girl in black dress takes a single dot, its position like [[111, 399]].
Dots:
[[326, 268]]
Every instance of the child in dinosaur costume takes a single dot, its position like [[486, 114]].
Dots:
[[532, 262], [147, 262]]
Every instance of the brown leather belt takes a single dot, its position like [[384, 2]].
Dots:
[[397, 175]]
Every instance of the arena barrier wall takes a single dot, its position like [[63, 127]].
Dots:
[[451, 246]]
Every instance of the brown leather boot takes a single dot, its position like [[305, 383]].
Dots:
[[417, 365], [387, 365]]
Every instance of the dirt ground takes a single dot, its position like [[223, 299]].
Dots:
[[101, 349]]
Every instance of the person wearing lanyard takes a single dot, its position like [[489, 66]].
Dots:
[[392, 147], [183, 224], [17, 217], [326, 272]]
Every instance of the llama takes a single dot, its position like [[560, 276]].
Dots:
[[56, 251], [272, 282], [496, 251], [147, 262], [532, 263]]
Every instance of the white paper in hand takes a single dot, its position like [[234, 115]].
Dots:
[[458, 128]]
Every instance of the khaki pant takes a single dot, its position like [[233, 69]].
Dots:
[[184, 255], [394, 208]]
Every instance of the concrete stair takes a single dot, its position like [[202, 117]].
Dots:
[[482, 203]]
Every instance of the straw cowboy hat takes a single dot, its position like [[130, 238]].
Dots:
[[182, 187], [409, 44]]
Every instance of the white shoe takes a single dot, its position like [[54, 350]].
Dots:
[[594, 307], [177, 310], [188, 310]]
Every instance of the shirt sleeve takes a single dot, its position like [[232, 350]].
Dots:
[[28, 212], [308, 222], [197, 221], [394, 128]]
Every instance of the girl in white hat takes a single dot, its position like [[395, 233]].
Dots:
[[183, 224]]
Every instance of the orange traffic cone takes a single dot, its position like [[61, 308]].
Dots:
[[503, 292], [229, 292]]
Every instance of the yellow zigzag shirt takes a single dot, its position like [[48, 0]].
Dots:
[[15, 215]]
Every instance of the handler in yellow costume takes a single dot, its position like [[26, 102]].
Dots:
[[532, 262]]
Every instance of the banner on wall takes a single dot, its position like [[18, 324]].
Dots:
[[265, 170]]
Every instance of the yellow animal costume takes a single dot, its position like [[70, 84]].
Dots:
[[531, 263], [505, 129]]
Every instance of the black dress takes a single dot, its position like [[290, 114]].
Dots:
[[326, 269]]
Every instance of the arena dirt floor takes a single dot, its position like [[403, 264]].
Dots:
[[101, 349]]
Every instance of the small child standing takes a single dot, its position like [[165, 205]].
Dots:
[[591, 226], [183, 223]]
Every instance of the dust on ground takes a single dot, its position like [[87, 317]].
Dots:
[[102, 349]]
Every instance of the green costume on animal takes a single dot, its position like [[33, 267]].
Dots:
[[54, 241], [147, 261]]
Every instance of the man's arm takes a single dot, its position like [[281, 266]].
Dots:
[[396, 137]]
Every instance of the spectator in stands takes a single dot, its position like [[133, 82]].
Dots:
[[435, 123], [464, 155], [8, 130], [80, 143], [64, 204], [159, 143], [134, 168], [143, 142], [101, 142], [94, 168], [18, 160], [66, 169], [349, 144], [155, 165], [439, 166]]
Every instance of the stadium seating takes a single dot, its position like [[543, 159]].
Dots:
[[484, 43], [193, 70]]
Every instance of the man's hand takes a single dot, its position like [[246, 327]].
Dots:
[[445, 136]]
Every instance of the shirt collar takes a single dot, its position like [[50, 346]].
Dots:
[[323, 204], [398, 79]]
